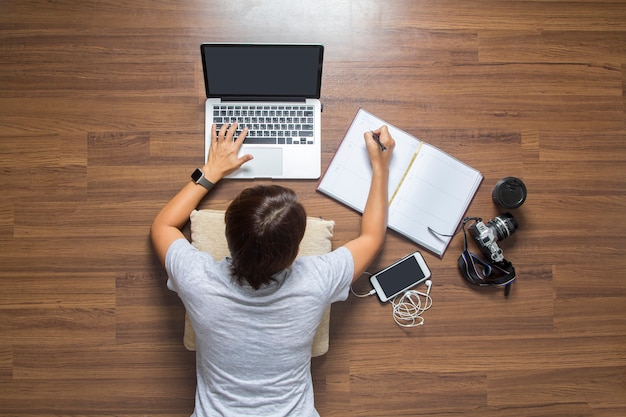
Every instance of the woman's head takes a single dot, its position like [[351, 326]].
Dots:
[[264, 227]]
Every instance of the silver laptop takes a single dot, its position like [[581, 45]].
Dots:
[[274, 91]]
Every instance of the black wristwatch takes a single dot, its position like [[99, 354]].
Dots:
[[199, 178]]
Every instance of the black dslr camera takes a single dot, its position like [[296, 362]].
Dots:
[[496, 229]]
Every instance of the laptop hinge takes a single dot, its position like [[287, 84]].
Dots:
[[288, 99]]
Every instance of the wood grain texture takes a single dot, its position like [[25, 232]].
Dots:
[[102, 121]]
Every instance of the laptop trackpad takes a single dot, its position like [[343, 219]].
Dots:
[[267, 162]]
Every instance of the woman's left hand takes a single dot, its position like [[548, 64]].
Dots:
[[223, 155]]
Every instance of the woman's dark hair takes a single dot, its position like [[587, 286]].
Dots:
[[264, 227]]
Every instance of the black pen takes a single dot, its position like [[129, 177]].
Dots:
[[377, 139]]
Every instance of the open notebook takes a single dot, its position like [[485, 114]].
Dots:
[[427, 187]]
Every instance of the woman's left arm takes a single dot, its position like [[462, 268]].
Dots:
[[222, 160]]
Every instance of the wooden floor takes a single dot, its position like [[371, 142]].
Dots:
[[102, 121]]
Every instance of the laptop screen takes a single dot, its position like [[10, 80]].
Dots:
[[262, 70]]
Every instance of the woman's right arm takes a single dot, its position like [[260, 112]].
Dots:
[[366, 246]]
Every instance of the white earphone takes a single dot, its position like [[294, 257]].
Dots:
[[429, 284]]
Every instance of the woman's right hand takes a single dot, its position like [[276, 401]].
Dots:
[[379, 158]]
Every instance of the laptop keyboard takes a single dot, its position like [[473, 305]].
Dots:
[[269, 124]]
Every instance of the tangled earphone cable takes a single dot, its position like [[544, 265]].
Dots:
[[408, 307]]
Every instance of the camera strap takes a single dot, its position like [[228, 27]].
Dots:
[[483, 273]]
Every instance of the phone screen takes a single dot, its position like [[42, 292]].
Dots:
[[400, 276]]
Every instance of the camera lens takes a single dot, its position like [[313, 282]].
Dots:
[[503, 225]]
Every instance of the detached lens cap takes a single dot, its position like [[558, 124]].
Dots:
[[509, 192]]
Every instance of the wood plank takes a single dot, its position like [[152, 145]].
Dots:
[[596, 386], [105, 362], [52, 325], [89, 396], [552, 46], [49, 290], [69, 219]]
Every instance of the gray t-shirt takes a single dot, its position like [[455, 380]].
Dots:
[[253, 348]]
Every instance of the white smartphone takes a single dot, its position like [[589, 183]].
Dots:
[[400, 276]]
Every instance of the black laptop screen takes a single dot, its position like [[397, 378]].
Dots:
[[262, 70]]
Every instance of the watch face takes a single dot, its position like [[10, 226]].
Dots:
[[197, 174]]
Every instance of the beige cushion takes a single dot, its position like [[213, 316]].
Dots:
[[208, 235]]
